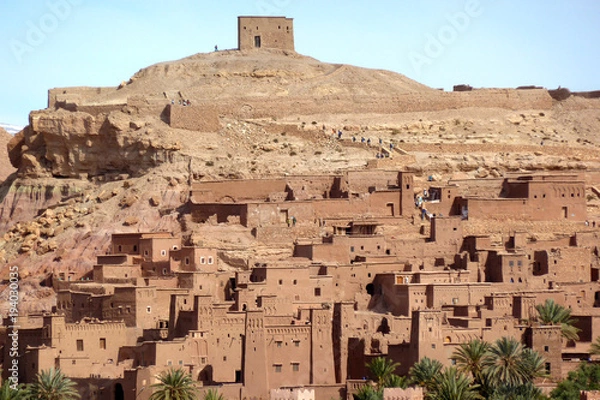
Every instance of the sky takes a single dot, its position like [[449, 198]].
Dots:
[[440, 43]]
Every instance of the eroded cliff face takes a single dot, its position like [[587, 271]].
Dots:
[[67, 144], [51, 226]]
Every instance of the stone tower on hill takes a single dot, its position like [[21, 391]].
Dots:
[[265, 33]]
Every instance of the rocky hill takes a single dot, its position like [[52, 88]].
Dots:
[[104, 160], [5, 168]]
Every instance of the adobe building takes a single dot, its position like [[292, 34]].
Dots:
[[265, 33], [360, 276]]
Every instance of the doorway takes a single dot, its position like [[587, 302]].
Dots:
[[119, 393]]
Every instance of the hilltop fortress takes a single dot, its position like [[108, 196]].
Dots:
[[270, 223], [264, 78]]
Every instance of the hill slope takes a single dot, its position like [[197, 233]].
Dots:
[[104, 160]]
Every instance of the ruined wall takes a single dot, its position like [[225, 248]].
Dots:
[[237, 190], [363, 181], [220, 212], [273, 33], [385, 203], [285, 234], [75, 95], [410, 102], [200, 118], [279, 214]]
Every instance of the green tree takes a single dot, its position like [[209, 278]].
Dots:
[[595, 349], [174, 384], [469, 358], [551, 313], [8, 393], [528, 391], [213, 395], [534, 365], [368, 392], [424, 372], [585, 377], [396, 381], [452, 384], [52, 384], [504, 365], [382, 370]]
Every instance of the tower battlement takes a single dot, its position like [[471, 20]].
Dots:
[[265, 33]]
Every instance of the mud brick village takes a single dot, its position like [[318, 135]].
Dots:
[[272, 224]]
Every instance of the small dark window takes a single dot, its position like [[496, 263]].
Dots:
[[103, 343], [257, 41], [317, 292], [79, 344]]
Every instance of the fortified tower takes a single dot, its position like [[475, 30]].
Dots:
[[265, 33]]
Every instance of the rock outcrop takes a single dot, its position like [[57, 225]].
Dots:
[[68, 144]]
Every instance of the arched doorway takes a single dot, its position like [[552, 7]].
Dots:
[[119, 393]]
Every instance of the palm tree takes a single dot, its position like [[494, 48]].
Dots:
[[551, 313], [396, 381], [595, 349], [424, 372], [453, 385], [527, 391], [368, 392], [382, 369], [213, 395], [534, 365], [52, 385], [504, 365], [174, 384], [470, 356], [8, 393]]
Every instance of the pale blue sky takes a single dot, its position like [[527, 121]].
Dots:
[[485, 43]]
